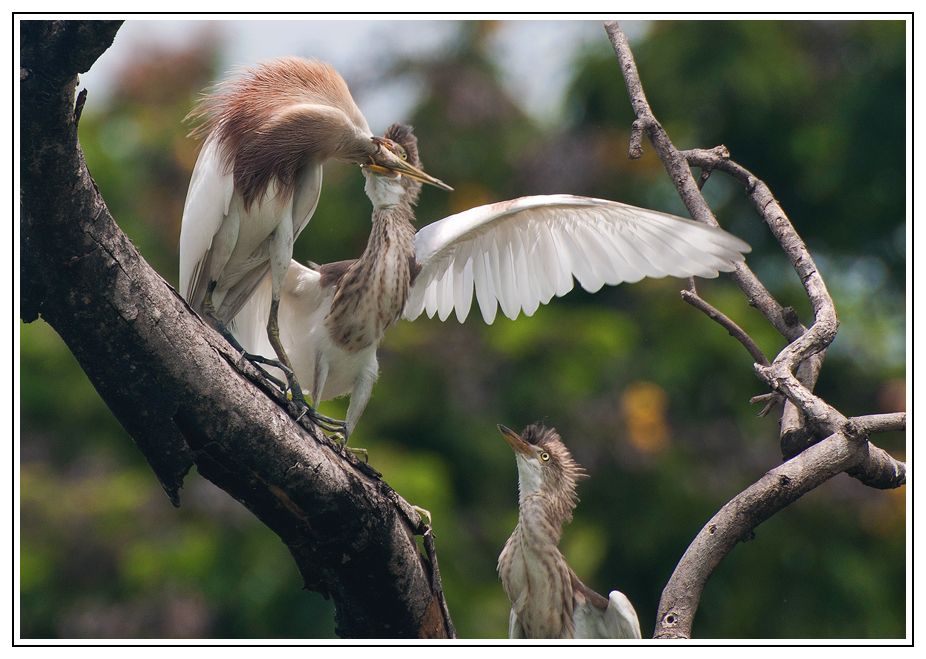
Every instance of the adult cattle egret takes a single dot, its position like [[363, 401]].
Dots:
[[257, 181], [547, 598], [517, 253]]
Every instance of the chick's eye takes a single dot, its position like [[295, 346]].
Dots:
[[402, 153], [544, 456]]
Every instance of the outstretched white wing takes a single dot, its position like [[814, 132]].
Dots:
[[520, 253]]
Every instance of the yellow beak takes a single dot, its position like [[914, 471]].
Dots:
[[387, 162], [515, 441]]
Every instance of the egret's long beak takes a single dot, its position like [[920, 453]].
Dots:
[[515, 441], [387, 162]]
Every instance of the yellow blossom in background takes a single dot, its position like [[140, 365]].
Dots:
[[644, 408]]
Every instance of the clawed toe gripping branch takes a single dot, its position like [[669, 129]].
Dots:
[[817, 441]]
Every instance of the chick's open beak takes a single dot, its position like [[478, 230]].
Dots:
[[387, 162], [515, 441]]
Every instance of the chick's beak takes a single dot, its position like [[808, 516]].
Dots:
[[387, 162], [515, 441]]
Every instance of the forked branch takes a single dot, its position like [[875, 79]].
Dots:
[[807, 419]]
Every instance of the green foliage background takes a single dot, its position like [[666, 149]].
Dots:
[[651, 397]]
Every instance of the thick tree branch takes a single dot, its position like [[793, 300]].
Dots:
[[792, 374], [176, 385]]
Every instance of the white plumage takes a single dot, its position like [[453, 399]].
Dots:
[[518, 254], [324, 368], [220, 241], [257, 181]]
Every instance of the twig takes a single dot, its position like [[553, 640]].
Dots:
[[771, 400], [646, 122], [874, 423], [732, 328]]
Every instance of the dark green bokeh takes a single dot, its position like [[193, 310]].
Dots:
[[815, 109]]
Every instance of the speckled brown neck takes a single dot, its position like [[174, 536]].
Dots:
[[372, 293]]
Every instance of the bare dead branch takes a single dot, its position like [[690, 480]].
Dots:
[[795, 436], [677, 167], [732, 328], [879, 470], [646, 123], [792, 374], [771, 401], [874, 423]]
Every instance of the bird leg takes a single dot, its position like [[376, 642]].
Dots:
[[273, 333], [209, 314], [324, 422], [342, 436]]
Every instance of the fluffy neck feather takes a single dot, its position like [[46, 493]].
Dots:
[[373, 292], [534, 573]]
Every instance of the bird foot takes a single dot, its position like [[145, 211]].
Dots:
[[257, 360], [361, 453], [341, 438], [333, 427], [424, 514], [291, 385]]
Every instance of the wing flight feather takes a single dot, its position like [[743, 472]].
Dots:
[[206, 207], [518, 254]]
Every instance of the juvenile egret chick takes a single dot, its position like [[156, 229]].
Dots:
[[547, 598], [332, 317]]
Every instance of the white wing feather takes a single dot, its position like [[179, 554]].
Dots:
[[207, 200], [207, 206], [518, 254], [618, 620], [300, 209]]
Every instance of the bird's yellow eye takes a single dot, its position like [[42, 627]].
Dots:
[[402, 153], [544, 456]]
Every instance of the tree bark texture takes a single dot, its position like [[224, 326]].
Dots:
[[176, 385]]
